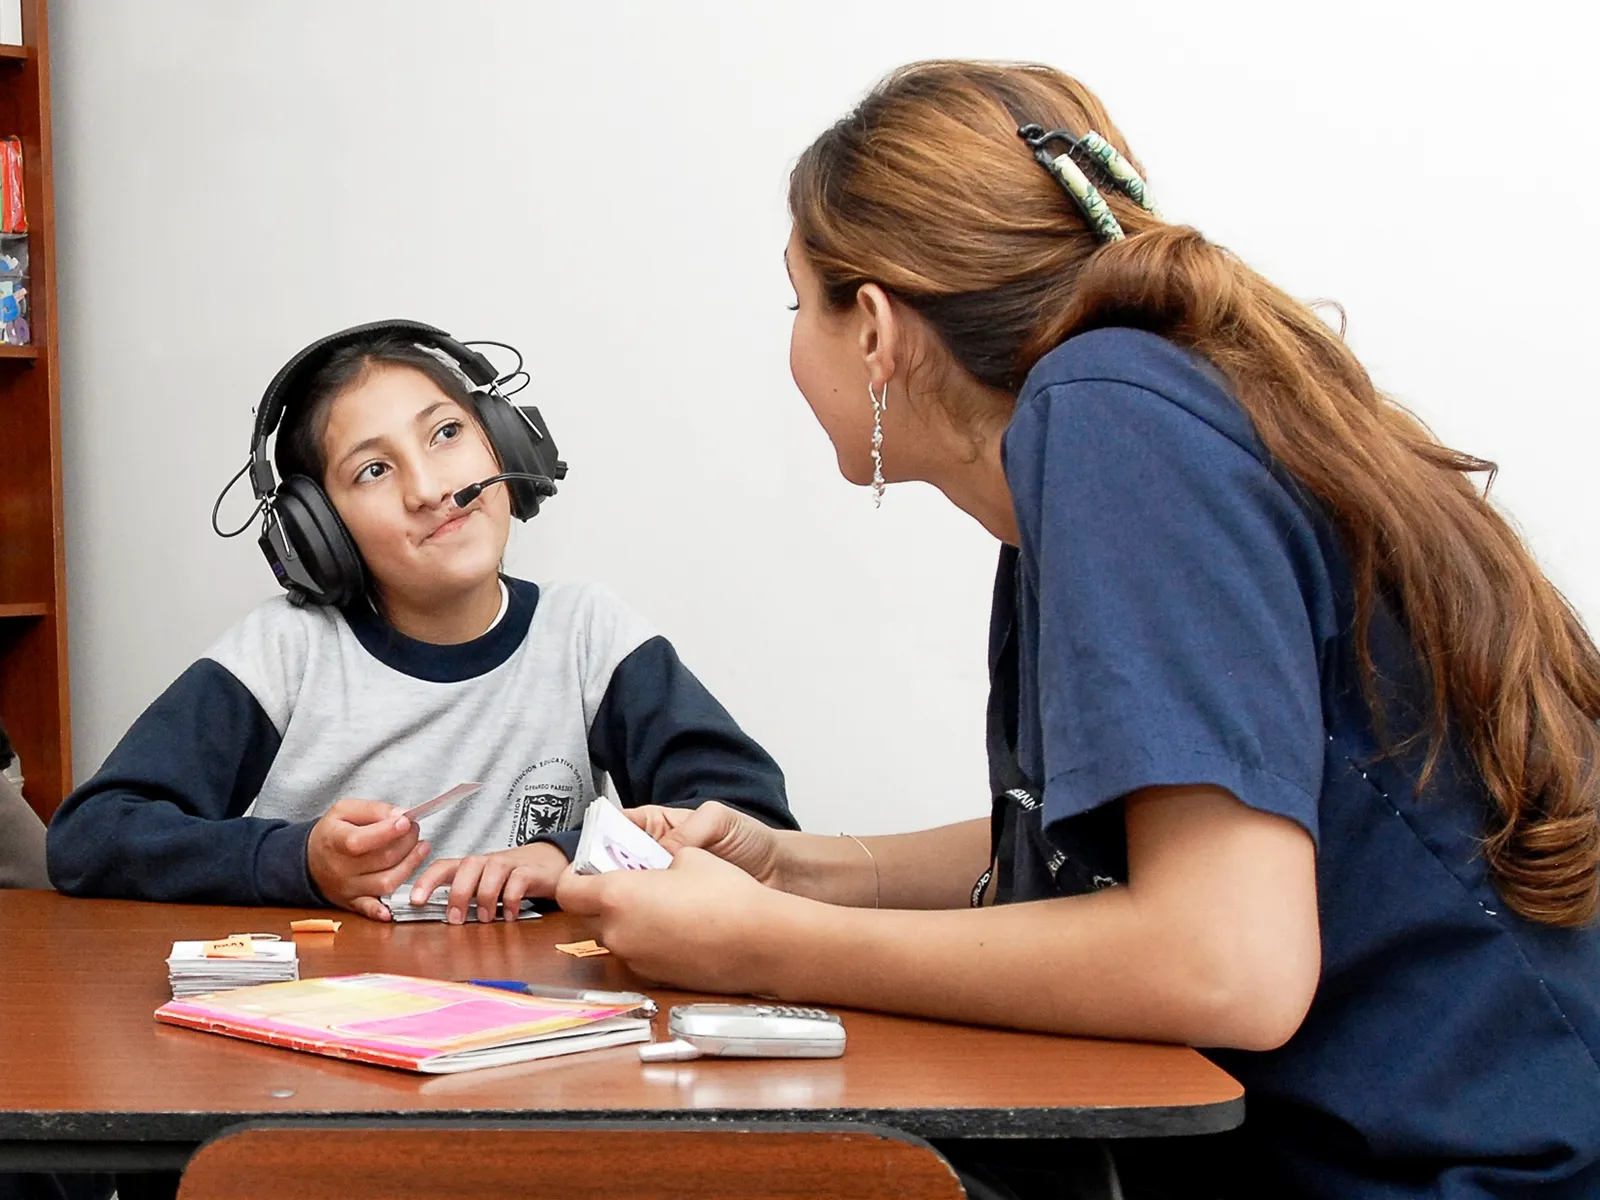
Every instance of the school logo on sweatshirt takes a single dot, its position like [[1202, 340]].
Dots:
[[546, 798]]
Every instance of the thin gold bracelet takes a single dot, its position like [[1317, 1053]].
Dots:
[[877, 891]]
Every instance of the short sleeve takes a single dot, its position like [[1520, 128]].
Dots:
[[1175, 580]]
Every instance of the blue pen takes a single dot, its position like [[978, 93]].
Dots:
[[632, 999]]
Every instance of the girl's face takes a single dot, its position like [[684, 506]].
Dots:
[[825, 358], [397, 448]]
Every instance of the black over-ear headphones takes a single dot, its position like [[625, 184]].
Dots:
[[304, 541]]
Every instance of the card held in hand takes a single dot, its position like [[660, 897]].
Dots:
[[443, 800], [611, 842]]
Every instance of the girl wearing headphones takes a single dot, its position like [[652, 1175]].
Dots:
[[1293, 746], [277, 768]]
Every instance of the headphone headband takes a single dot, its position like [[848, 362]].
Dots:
[[291, 380]]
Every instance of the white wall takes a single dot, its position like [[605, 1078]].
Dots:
[[602, 184]]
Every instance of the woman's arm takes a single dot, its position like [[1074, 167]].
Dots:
[[1214, 940], [932, 868]]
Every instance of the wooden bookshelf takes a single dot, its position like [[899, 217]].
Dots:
[[33, 580]]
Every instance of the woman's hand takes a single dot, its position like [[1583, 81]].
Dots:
[[702, 924], [832, 870], [754, 848], [360, 851], [508, 876]]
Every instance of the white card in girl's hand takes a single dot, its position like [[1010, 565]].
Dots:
[[444, 799], [611, 842]]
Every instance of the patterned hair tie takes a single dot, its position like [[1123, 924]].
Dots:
[[1076, 184], [1120, 169]]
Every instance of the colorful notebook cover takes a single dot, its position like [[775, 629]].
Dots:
[[424, 1025]]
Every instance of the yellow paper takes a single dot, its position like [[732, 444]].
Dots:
[[586, 949], [238, 945], [315, 925]]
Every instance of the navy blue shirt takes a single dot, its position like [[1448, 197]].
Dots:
[[1180, 612]]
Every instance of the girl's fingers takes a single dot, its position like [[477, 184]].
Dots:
[[370, 907], [358, 840], [353, 811], [439, 872], [518, 885], [389, 855], [384, 883], [489, 885], [524, 881], [464, 885]]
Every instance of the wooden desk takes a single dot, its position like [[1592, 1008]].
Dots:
[[87, 1076]]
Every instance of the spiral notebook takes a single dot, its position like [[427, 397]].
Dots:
[[426, 1025]]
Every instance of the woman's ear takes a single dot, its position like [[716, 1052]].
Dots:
[[881, 332]]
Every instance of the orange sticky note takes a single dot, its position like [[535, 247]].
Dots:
[[238, 945], [586, 949], [316, 925]]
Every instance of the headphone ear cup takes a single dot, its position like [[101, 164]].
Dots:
[[313, 528], [518, 447]]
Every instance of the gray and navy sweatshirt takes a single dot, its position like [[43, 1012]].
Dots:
[[211, 795]]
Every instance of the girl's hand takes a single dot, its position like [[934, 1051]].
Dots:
[[360, 851], [702, 924], [508, 876], [754, 848]]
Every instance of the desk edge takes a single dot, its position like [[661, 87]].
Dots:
[[30, 1135]]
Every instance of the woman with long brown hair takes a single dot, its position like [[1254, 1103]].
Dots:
[[1293, 746]]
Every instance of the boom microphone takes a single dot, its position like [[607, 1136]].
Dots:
[[542, 484]]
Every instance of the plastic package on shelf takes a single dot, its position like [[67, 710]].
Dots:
[[13, 204], [14, 327]]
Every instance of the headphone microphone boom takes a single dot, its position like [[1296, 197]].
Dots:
[[543, 486]]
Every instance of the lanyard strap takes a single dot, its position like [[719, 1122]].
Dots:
[[1016, 794]]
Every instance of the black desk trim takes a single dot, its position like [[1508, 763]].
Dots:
[[42, 1141]]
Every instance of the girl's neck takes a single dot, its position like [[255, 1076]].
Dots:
[[444, 621]]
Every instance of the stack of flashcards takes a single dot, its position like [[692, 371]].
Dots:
[[437, 906], [611, 842], [239, 960]]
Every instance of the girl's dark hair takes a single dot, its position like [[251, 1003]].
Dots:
[[300, 448], [926, 190]]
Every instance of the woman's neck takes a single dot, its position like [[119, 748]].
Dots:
[[973, 478], [444, 621]]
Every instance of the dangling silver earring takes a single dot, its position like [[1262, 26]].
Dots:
[[879, 403]]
